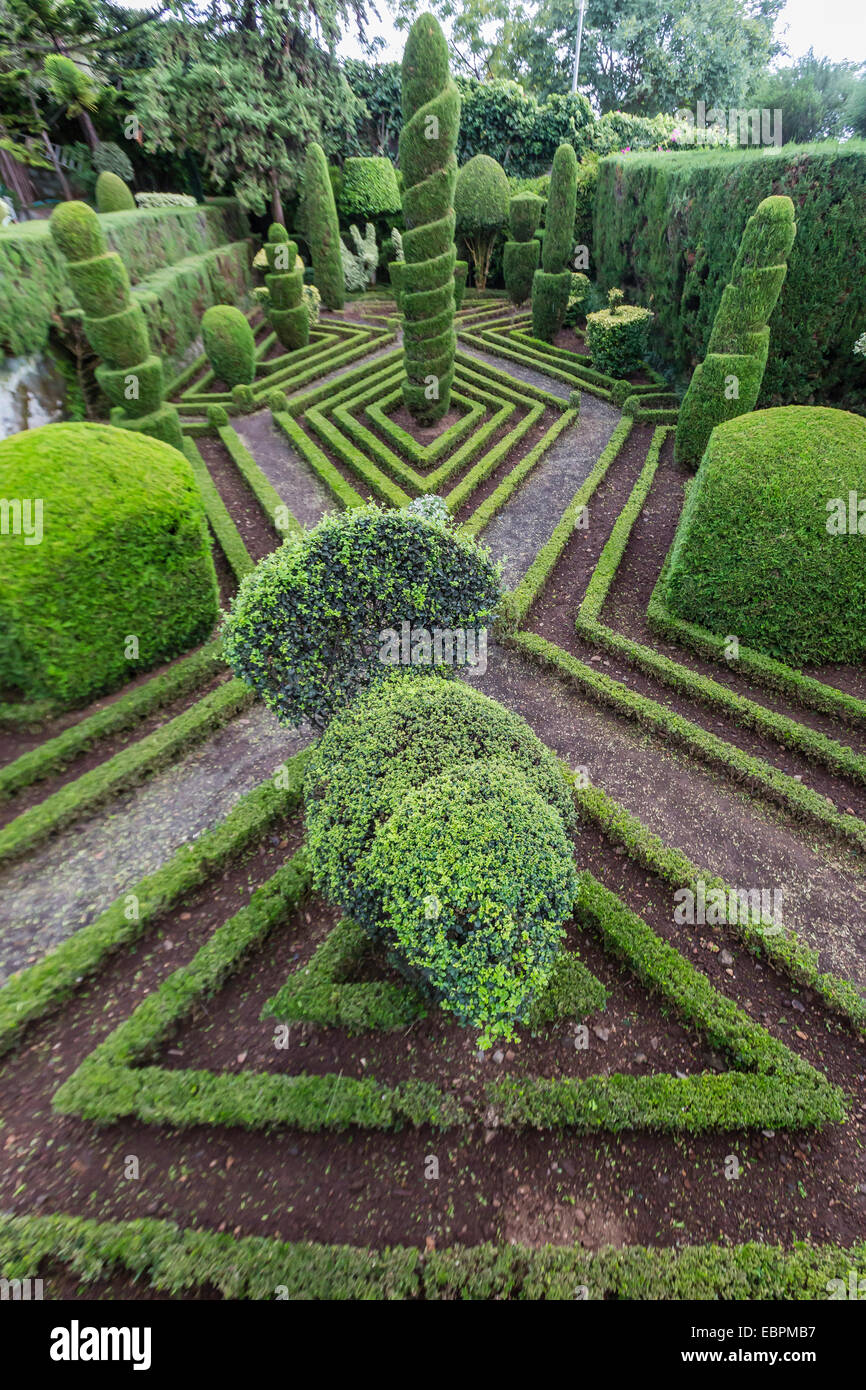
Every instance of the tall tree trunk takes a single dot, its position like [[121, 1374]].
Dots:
[[49, 148], [276, 201], [89, 129]]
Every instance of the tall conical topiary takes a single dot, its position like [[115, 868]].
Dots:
[[322, 229], [428, 141], [520, 254], [728, 381], [130, 375], [286, 311], [552, 284]]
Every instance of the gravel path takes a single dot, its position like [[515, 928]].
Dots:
[[517, 533], [69, 880], [304, 494]]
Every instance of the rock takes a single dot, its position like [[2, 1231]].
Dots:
[[602, 1033], [726, 958], [580, 1216], [498, 1056]]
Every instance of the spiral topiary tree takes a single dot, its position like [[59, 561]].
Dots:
[[322, 229], [229, 344], [112, 194], [285, 307], [428, 140], [728, 381], [130, 375], [521, 253], [552, 284]]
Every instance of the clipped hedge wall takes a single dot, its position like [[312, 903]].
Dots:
[[669, 226], [202, 244]]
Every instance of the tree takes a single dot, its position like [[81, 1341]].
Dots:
[[819, 99]]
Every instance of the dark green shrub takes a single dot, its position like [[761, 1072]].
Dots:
[[524, 215], [277, 401], [765, 547], [461, 274], [579, 297], [125, 554], [323, 228], [431, 104], [311, 623], [369, 188], [475, 877], [669, 225], [519, 264], [617, 336], [229, 344], [481, 200], [559, 214], [286, 310], [549, 303], [130, 374], [728, 382], [552, 284], [112, 194]]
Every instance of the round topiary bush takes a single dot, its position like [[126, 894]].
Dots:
[[325, 613], [481, 201], [229, 344], [767, 547], [112, 194], [480, 780], [369, 188], [120, 577]]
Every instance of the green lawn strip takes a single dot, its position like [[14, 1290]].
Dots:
[[323, 992], [125, 769], [270, 501], [814, 745], [221, 521], [487, 509], [178, 1260], [765, 670], [338, 486], [55, 754], [778, 786], [526, 592], [31, 993], [776, 944]]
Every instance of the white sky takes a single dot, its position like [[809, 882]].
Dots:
[[836, 29]]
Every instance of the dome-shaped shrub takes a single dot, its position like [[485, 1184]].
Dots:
[[766, 549], [314, 620], [112, 194], [481, 206], [229, 344], [123, 552]]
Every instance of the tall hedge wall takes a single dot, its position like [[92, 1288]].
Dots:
[[666, 229], [150, 242]]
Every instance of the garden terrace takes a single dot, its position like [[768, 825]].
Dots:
[[281, 1085]]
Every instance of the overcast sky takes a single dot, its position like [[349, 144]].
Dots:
[[834, 28]]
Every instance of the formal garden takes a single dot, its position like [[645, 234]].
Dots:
[[433, 721]]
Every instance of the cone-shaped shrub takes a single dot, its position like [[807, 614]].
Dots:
[[229, 344], [323, 229], [428, 140], [728, 381], [112, 194], [130, 375], [286, 311], [481, 210], [552, 284]]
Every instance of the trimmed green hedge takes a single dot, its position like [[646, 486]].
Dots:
[[125, 552], [754, 555], [112, 194], [669, 225], [155, 245]]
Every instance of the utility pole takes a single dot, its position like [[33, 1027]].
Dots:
[[578, 42]]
